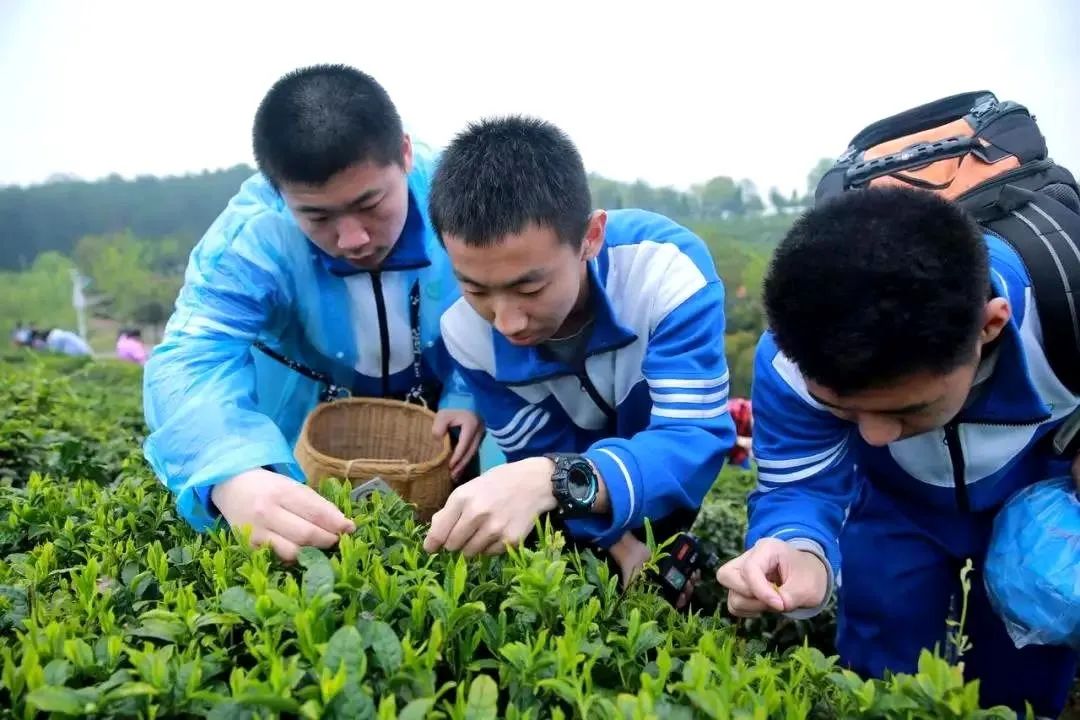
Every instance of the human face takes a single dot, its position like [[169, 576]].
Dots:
[[358, 214], [528, 285], [919, 402]]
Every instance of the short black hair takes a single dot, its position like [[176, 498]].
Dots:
[[316, 121], [501, 175], [877, 285]]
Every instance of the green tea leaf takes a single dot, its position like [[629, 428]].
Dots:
[[51, 698], [460, 576], [180, 555], [268, 700], [417, 709], [14, 606], [129, 573], [230, 710], [210, 619], [345, 647], [383, 642], [79, 653], [167, 630], [318, 573], [238, 601], [130, 690], [352, 703], [483, 699], [58, 672]]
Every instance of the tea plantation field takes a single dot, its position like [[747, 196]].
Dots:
[[112, 607]]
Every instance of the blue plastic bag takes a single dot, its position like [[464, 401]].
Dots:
[[1033, 565]]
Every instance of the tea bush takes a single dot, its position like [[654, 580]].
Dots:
[[722, 525], [110, 606]]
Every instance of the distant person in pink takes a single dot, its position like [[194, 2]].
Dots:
[[129, 346]]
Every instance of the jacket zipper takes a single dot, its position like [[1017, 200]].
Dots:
[[956, 452], [384, 331], [956, 455], [594, 394]]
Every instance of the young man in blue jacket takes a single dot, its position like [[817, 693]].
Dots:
[[900, 396], [325, 259], [593, 344]]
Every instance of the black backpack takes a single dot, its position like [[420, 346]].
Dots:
[[990, 158]]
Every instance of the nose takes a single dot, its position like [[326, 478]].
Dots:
[[509, 319], [351, 234], [878, 430]]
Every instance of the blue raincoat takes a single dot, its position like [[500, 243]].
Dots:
[[216, 406]]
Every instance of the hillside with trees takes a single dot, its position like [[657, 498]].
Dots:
[[131, 239]]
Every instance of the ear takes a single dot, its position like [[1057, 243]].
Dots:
[[996, 316], [406, 152], [594, 235]]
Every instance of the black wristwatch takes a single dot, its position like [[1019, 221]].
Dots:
[[574, 484]]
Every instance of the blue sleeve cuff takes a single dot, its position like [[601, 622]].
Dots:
[[202, 494], [193, 501], [618, 472], [209, 511]]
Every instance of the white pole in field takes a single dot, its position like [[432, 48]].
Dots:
[[78, 300]]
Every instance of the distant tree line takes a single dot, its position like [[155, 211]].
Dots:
[[132, 240]]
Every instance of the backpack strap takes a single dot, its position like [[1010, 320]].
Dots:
[[329, 390], [1046, 235], [418, 393]]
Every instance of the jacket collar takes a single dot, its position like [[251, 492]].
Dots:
[[409, 253], [523, 365], [1008, 396]]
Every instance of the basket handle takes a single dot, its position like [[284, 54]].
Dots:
[[349, 464]]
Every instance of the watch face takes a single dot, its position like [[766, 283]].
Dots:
[[580, 484]]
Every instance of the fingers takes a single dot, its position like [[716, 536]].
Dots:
[[742, 606], [467, 524], [298, 530], [285, 549], [308, 504], [630, 554], [747, 579], [688, 591], [730, 576], [442, 423], [755, 572], [442, 523], [630, 573], [481, 540], [497, 548]]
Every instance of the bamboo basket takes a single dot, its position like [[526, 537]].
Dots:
[[357, 439]]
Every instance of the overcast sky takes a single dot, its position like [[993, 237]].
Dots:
[[670, 92]]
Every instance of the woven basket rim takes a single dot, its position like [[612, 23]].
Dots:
[[341, 463]]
